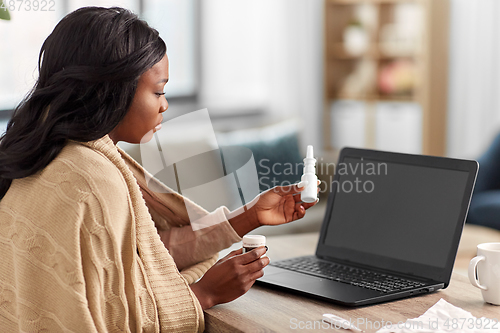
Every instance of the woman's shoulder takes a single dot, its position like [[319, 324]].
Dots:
[[84, 168], [82, 156], [78, 179]]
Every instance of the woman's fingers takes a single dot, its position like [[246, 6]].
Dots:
[[289, 189], [309, 205], [300, 211], [247, 258], [257, 275], [230, 255], [230, 277], [297, 198], [256, 266], [234, 253], [293, 188]]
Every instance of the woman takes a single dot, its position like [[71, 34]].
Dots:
[[83, 239]]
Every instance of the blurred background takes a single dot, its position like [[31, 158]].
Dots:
[[418, 76]]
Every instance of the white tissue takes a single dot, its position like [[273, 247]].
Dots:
[[444, 317]]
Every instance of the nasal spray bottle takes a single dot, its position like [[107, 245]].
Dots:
[[310, 193]]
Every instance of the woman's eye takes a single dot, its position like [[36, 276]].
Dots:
[[160, 94]]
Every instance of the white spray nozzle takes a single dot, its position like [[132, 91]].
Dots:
[[309, 152]]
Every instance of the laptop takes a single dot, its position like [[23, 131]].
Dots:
[[391, 229]]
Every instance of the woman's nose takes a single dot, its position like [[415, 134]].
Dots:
[[164, 105]]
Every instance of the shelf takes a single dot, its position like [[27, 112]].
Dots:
[[336, 51], [412, 60], [376, 2], [376, 97]]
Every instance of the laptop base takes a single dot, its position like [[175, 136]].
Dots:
[[333, 291]]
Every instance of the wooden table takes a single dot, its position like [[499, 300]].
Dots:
[[266, 310]]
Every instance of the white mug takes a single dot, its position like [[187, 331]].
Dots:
[[484, 271]]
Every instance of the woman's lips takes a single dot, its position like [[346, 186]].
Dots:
[[158, 127]]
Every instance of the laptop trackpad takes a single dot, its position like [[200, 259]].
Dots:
[[338, 291]]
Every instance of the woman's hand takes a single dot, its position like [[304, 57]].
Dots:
[[230, 277], [281, 204], [278, 205]]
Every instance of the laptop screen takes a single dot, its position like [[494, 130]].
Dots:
[[396, 215]]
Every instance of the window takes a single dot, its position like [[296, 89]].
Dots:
[[23, 36], [21, 40]]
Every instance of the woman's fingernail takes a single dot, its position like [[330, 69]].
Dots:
[[303, 183]]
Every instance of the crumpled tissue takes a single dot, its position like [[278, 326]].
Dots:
[[444, 317]]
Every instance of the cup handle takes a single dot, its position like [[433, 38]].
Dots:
[[473, 272]]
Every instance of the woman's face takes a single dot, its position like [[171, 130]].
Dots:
[[144, 116]]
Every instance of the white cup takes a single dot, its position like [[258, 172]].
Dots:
[[484, 271]]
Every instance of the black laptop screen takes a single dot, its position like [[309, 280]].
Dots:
[[395, 210]]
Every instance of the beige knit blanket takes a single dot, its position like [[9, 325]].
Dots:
[[80, 251]]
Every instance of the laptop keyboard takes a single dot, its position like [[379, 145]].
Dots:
[[351, 275]]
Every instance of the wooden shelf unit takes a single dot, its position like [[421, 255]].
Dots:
[[430, 59]]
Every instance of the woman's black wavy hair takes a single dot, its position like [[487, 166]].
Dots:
[[89, 67]]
